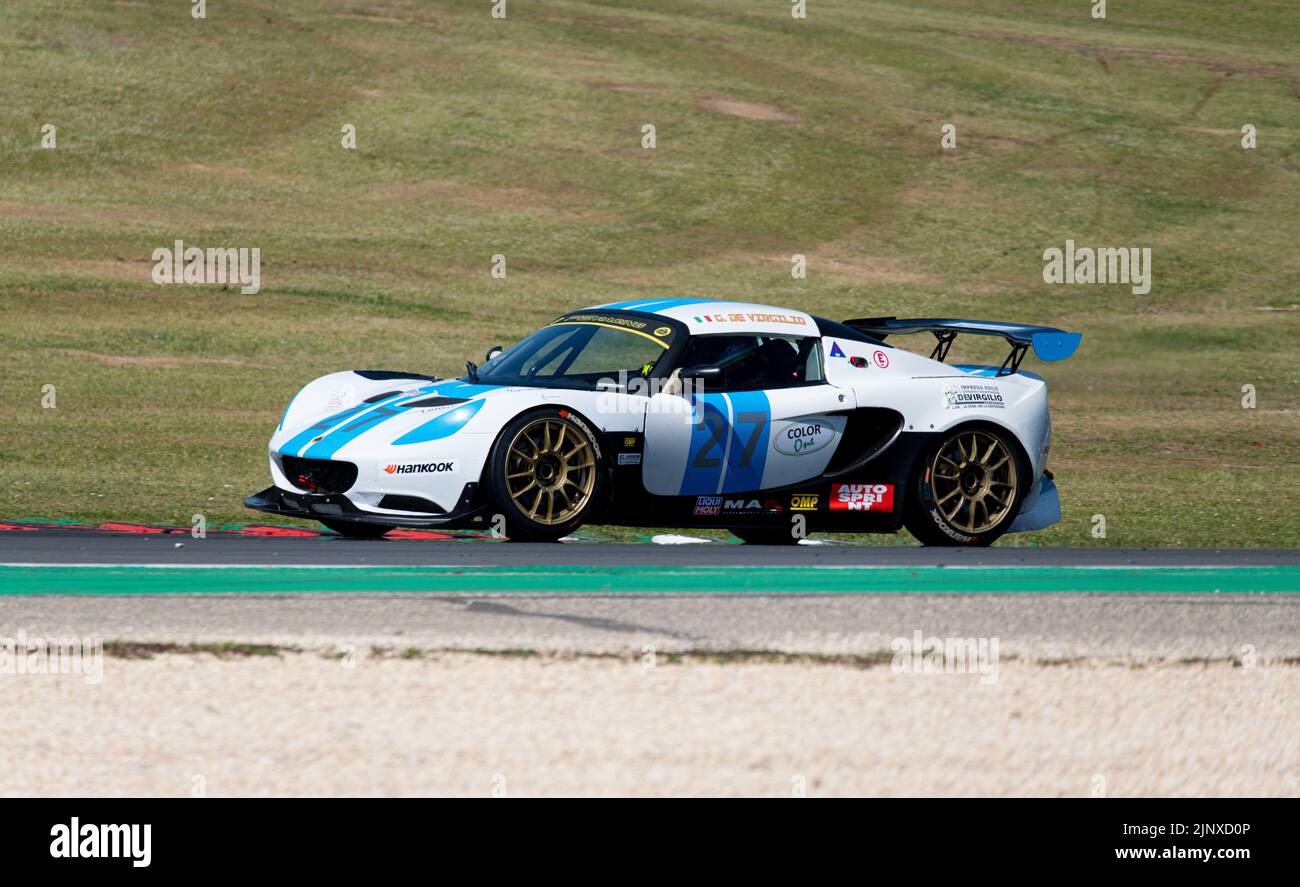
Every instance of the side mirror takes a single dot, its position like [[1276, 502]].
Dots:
[[493, 352], [706, 377]]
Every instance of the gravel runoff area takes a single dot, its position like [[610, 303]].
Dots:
[[419, 723], [660, 695]]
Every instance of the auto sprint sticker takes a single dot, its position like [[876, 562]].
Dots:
[[421, 468], [862, 497], [957, 397], [800, 438]]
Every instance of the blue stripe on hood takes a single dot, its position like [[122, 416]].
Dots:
[[366, 417], [441, 426], [305, 436], [335, 440], [459, 388]]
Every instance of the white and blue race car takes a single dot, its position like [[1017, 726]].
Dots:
[[766, 421]]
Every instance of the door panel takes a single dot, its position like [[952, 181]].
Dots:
[[670, 447], [740, 441], [804, 435]]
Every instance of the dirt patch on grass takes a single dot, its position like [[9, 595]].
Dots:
[[160, 362], [476, 197], [1205, 130], [1223, 64], [238, 173], [385, 19], [113, 218], [997, 142], [629, 24], [929, 191], [504, 199], [747, 110], [135, 270], [633, 88], [864, 269], [67, 212]]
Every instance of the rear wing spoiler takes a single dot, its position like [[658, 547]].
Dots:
[[1048, 342]]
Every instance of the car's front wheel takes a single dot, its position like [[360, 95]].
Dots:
[[546, 475], [968, 488], [356, 529]]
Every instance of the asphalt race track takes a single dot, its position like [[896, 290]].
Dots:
[[79, 546], [320, 591]]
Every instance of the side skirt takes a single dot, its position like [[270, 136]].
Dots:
[[869, 499]]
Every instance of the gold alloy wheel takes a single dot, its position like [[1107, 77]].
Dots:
[[973, 481], [550, 471]]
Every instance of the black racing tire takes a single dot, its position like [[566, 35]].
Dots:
[[546, 475], [764, 535], [965, 465], [356, 529]]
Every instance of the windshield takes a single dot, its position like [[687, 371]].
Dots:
[[576, 353]]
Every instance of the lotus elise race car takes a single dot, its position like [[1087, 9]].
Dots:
[[766, 421]]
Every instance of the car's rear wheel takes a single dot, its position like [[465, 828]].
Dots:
[[968, 488], [356, 529], [764, 535], [546, 474]]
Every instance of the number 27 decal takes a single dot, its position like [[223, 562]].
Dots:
[[714, 423]]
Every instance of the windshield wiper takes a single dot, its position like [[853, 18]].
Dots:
[[471, 370]]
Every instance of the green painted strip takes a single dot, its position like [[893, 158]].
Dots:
[[40, 580]]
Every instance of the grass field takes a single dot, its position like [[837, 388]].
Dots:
[[523, 136]]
